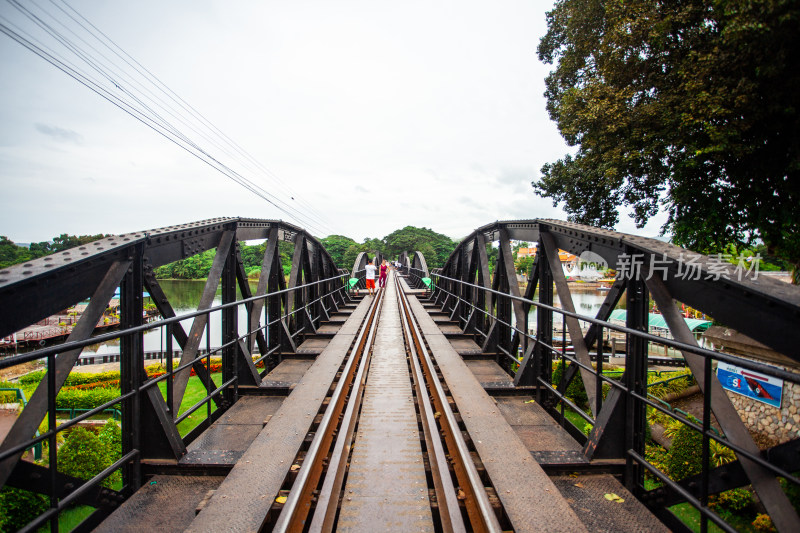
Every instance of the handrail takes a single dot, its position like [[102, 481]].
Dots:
[[66, 346], [707, 432]]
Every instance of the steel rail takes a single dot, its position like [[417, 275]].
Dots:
[[449, 510], [298, 503], [328, 500], [479, 509]]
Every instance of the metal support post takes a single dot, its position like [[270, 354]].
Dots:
[[132, 369], [229, 327], [543, 362], [636, 380]]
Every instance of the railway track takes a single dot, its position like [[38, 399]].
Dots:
[[388, 448]]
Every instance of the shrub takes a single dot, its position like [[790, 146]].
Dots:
[[733, 500], [657, 456], [84, 378], [792, 491], [659, 390], [18, 507], [85, 399], [763, 523], [111, 439], [32, 378], [83, 455], [575, 391], [8, 396], [686, 457], [720, 454]]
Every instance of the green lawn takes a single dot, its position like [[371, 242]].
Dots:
[[195, 391]]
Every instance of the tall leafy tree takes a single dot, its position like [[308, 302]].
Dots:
[[693, 104], [337, 245], [434, 246]]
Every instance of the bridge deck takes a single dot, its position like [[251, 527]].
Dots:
[[386, 488], [260, 440]]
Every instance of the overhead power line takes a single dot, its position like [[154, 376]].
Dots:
[[64, 40]]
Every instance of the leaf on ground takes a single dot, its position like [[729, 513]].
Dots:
[[613, 498], [461, 495], [280, 499], [295, 468], [531, 401], [579, 485], [437, 414]]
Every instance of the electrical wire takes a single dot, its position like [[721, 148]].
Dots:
[[121, 87]]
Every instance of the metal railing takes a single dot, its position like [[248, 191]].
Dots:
[[555, 398], [129, 402]]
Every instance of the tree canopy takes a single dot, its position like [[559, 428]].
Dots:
[[435, 247], [690, 105], [12, 254], [337, 246]]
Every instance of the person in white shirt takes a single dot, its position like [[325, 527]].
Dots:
[[371, 277]]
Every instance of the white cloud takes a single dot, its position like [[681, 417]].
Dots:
[[378, 115]]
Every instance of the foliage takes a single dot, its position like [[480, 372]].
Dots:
[[523, 265], [657, 456], [694, 102], [719, 454], [85, 398], [198, 266], [763, 523], [734, 500], [194, 267], [685, 454], [337, 246], [435, 247], [575, 391], [83, 455], [792, 491], [12, 254], [8, 396], [18, 507], [111, 439], [657, 388]]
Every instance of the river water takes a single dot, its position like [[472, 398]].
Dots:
[[184, 296]]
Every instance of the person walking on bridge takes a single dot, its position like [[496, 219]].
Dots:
[[370, 268], [384, 273]]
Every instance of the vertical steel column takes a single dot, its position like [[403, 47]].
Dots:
[[503, 312], [132, 368], [638, 301], [230, 325], [543, 357], [274, 329], [466, 290]]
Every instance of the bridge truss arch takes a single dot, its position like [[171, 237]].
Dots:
[[415, 267], [360, 264], [491, 307], [280, 313]]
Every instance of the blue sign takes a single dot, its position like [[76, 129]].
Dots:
[[757, 386]]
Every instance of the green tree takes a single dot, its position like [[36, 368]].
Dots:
[[337, 246], [83, 455], [19, 507], [692, 104], [349, 257], [66, 241], [523, 265], [434, 246]]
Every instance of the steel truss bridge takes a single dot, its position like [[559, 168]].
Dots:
[[428, 407]]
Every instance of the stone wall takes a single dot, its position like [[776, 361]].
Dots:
[[780, 425]]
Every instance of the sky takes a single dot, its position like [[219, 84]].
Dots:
[[356, 117]]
